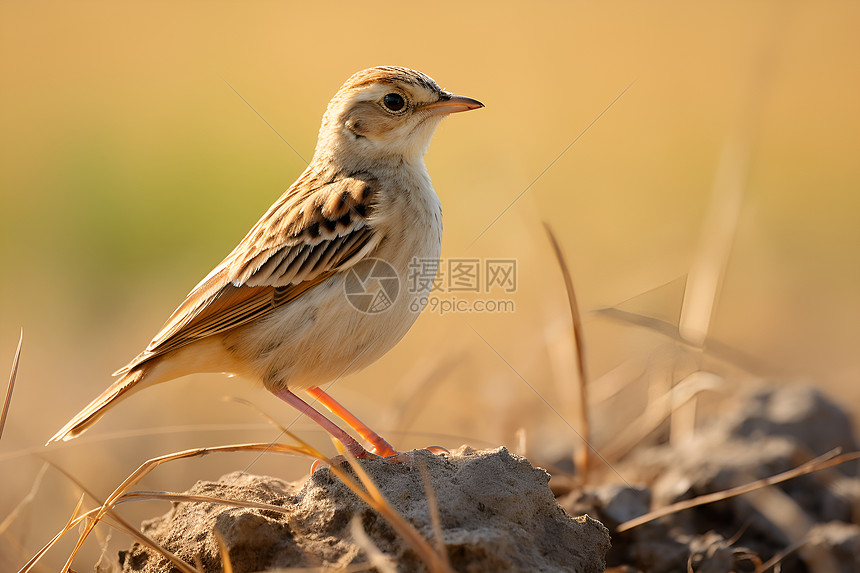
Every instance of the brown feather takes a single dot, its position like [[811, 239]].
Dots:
[[276, 262], [321, 226], [96, 409]]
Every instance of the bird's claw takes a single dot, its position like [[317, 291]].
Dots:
[[406, 457], [438, 450], [395, 458]]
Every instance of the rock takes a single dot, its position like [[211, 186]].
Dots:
[[614, 504], [802, 413], [497, 514], [837, 542], [775, 429]]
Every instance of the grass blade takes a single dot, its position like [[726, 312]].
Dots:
[[576, 320], [12, 377], [820, 463]]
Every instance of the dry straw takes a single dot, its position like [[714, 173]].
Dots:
[[11, 386], [828, 460], [435, 560], [584, 455]]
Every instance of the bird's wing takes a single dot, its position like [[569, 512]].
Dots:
[[314, 230]]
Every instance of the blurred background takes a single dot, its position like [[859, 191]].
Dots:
[[129, 167]]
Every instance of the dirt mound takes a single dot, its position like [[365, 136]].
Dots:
[[814, 520], [497, 514]]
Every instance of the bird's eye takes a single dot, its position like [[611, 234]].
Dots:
[[394, 102]]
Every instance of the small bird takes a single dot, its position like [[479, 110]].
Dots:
[[277, 309]]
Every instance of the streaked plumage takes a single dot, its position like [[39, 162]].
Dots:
[[274, 309]]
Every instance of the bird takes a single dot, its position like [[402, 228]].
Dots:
[[282, 308]]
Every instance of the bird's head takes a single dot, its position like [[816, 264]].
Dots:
[[384, 113]]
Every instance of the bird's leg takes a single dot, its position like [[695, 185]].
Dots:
[[348, 441], [380, 446]]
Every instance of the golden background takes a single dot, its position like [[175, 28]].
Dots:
[[129, 168]]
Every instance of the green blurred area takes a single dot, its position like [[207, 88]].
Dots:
[[129, 168]]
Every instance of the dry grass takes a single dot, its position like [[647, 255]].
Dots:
[[436, 562], [770, 242], [584, 450], [657, 412], [8, 400], [828, 460]]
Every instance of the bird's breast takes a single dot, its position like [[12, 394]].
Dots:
[[355, 316]]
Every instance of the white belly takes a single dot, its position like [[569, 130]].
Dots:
[[324, 335]]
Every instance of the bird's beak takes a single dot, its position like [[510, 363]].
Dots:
[[450, 103]]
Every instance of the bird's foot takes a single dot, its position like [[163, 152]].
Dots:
[[382, 449], [438, 450], [394, 458], [399, 458]]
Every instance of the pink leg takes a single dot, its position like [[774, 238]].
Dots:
[[380, 446], [348, 441]]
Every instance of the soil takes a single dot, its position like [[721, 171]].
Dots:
[[498, 512], [812, 522]]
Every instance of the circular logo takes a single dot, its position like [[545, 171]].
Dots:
[[371, 286]]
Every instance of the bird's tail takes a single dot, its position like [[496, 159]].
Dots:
[[117, 391]]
